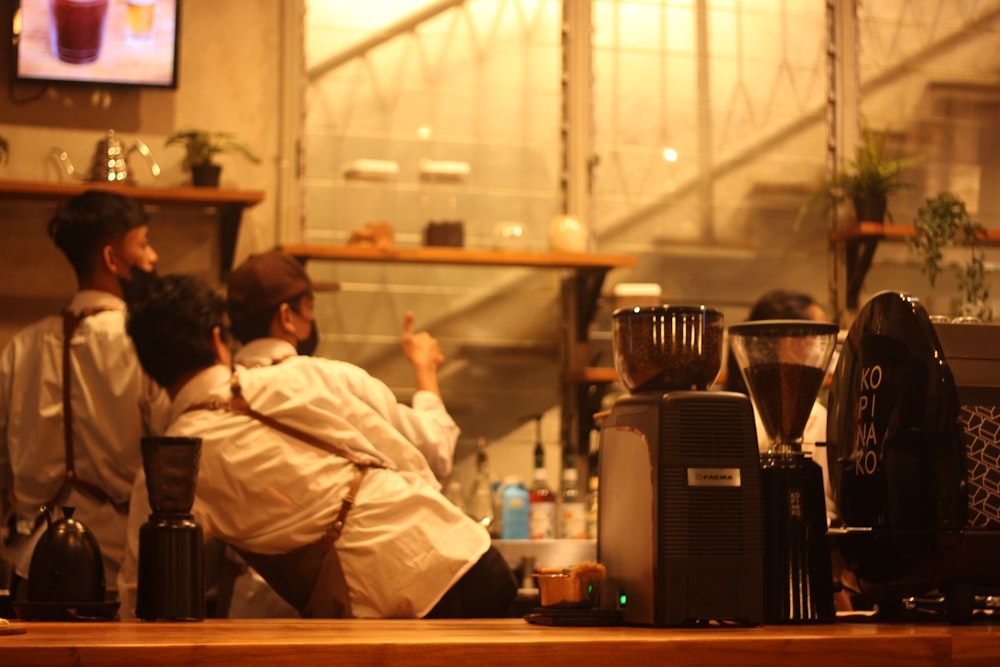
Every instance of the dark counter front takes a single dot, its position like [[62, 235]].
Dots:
[[502, 642]]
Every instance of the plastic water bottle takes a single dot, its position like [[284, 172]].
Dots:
[[515, 510]]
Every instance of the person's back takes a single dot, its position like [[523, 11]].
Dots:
[[309, 482], [271, 310], [111, 403]]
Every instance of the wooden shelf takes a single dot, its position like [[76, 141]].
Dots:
[[874, 231], [459, 256], [589, 269], [230, 203], [861, 240], [578, 294]]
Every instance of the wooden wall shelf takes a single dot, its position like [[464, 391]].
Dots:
[[860, 241], [888, 232], [461, 256], [589, 269], [579, 293], [229, 203]]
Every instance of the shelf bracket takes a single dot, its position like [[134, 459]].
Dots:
[[586, 289], [859, 260]]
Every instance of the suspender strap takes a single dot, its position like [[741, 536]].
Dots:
[[70, 481]]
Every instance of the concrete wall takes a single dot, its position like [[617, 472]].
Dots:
[[229, 79]]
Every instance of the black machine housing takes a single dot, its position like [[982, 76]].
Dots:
[[914, 456], [680, 529]]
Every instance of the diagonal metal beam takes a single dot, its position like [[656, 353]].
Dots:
[[403, 25]]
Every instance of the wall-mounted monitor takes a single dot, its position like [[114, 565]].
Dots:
[[116, 42]]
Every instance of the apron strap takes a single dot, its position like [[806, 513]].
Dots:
[[70, 480], [361, 460]]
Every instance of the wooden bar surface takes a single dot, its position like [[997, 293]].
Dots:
[[305, 643]]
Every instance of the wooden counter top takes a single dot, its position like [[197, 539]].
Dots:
[[308, 643]]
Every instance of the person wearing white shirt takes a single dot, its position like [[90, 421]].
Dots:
[[270, 301], [399, 550], [270, 305], [112, 404]]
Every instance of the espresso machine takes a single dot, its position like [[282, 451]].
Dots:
[[171, 583], [914, 449], [680, 530]]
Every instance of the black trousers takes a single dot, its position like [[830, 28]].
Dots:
[[488, 590]]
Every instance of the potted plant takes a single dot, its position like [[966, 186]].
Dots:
[[944, 222], [202, 146], [866, 181]]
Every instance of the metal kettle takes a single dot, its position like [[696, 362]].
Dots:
[[66, 565], [110, 163]]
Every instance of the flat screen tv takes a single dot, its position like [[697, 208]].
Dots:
[[115, 42]]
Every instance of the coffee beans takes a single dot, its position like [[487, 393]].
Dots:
[[667, 347]]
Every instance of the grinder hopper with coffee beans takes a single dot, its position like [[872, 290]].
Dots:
[[680, 529]]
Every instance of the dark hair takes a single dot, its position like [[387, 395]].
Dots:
[[248, 324], [777, 304], [82, 226], [170, 320], [782, 305]]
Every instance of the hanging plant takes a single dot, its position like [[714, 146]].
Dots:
[[944, 222]]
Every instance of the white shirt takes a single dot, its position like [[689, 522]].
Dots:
[[403, 544], [427, 426], [114, 406]]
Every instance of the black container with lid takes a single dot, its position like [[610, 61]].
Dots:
[[171, 556]]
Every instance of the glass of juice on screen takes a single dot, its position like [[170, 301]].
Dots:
[[76, 29], [140, 20]]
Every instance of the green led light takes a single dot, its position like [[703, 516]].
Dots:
[[622, 599]]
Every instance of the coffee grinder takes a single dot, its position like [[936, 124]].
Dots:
[[171, 553], [679, 530], [784, 363]]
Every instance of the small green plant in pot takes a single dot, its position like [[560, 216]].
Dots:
[[201, 147], [866, 181], [944, 222]]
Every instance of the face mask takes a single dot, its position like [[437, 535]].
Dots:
[[307, 346], [135, 286]]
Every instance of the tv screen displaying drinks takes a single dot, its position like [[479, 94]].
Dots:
[[129, 42]]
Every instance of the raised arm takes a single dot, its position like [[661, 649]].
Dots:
[[424, 355]]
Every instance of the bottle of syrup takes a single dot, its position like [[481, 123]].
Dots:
[[572, 523], [592, 508], [542, 502], [480, 504]]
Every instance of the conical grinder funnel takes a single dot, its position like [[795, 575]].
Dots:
[[171, 466], [783, 363]]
